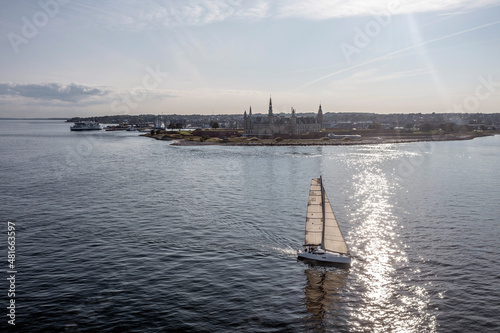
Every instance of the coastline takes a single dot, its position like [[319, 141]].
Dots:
[[320, 142]]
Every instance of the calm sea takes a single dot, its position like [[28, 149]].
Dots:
[[115, 232]]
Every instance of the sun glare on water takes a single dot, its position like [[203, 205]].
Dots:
[[388, 303]]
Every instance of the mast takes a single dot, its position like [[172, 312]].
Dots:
[[322, 212], [322, 228]]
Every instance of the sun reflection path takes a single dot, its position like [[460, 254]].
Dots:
[[388, 300]]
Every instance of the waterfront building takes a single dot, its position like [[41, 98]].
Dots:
[[273, 125]]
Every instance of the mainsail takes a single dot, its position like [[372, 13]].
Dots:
[[314, 219], [321, 225]]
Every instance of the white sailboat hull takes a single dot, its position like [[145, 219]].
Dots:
[[326, 257]]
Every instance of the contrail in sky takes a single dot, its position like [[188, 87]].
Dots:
[[395, 52]]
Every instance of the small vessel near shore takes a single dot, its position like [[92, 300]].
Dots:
[[86, 126], [120, 127], [324, 242]]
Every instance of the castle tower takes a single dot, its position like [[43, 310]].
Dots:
[[319, 118], [270, 116], [293, 123], [250, 120]]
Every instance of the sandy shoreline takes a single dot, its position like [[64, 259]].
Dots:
[[331, 142]]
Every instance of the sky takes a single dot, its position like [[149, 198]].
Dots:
[[62, 58]]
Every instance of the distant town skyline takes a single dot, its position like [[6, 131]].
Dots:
[[64, 58]]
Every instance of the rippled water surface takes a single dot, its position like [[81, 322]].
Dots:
[[117, 232]]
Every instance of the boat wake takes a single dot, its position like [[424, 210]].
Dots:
[[288, 251]]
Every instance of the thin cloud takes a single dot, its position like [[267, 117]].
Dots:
[[390, 54], [140, 95], [149, 14], [376, 75], [72, 93]]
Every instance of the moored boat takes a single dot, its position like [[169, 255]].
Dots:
[[120, 127], [86, 126]]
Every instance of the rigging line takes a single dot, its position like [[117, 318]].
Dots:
[[323, 212], [395, 52]]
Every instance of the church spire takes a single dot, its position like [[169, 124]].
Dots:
[[270, 107], [319, 118]]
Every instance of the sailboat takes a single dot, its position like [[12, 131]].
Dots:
[[324, 242]]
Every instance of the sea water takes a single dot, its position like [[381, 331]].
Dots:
[[117, 232]]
